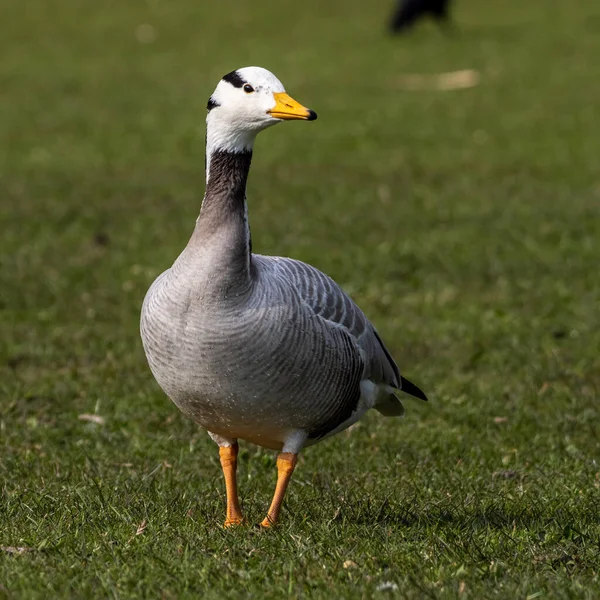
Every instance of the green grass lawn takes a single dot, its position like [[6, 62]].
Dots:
[[465, 223]]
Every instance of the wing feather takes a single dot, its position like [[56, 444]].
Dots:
[[327, 299]]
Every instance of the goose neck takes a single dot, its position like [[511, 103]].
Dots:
[[219, 251]]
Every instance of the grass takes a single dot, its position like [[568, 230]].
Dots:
[[465, 223]]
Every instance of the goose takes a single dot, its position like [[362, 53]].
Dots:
[[259, 348], [408, 12]]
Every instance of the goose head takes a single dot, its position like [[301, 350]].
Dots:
[[245, 102]]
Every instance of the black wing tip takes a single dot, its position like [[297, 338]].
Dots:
[[408, 387], [387, 355]]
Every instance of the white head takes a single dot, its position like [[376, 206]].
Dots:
[[245, 102]]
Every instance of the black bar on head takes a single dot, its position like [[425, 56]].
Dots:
[[234, 79]]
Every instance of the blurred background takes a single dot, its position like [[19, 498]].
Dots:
[[450, 185]]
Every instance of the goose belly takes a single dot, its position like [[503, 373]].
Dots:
[[256, 375]]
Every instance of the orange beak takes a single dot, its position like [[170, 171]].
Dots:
[[288, 109]]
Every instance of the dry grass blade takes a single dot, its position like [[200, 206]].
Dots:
[[92, 418], [453, 80], [142, 527], [15, 549]]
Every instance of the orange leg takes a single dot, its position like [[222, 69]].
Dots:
[[228, 456], [286, 462]]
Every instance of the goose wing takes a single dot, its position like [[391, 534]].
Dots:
[[325, 298]]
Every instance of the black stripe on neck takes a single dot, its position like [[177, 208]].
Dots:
[[224, 205], [227, 179], [234, 78]]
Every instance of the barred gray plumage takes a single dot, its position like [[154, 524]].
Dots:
[[252, 347]]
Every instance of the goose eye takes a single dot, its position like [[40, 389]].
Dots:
[[248, 88]]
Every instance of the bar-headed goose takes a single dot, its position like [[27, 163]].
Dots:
[[259, 348]]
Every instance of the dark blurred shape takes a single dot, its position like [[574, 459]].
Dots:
[[408, 12], [14, 361], [101, 238]]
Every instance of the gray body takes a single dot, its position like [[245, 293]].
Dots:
[[261, 348], [284, 353]]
